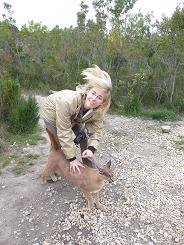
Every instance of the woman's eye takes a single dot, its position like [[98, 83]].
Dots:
[[99, 97]]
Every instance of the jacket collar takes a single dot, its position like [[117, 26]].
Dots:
[[79, 115], [88, 114]]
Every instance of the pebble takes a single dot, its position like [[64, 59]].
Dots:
[[177, 239]]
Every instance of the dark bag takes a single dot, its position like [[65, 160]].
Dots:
[[80, 137]]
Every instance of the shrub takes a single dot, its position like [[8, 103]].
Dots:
[[132, 105], [159, 114], [179, 104], [9, 94], [24, 116]]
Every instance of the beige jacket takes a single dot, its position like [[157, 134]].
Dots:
[[61, 109]]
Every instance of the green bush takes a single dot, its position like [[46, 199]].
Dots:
[[132, 105], [24, 117], [179, 104], [159, 114], [9, 94]]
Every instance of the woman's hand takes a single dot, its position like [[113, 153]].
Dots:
[[74, 165], [87, 154]]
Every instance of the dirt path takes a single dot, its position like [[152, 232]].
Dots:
[[145, 203]]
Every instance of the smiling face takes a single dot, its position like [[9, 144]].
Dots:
[[94, 98]]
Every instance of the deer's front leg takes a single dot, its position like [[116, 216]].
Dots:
[[89, 199], [99, 205]]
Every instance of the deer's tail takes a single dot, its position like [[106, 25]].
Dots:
[[54, 143]]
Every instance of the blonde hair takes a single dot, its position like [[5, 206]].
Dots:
[[100, 79]]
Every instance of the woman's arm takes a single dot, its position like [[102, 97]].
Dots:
[[94, 131], [65, 108]]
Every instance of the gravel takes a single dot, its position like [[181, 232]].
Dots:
[[144, 204]]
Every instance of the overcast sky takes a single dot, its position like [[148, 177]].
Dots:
[[63, 12]]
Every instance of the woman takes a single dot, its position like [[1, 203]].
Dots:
[[79, 111]]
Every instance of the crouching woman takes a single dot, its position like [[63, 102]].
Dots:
[[80, 112]]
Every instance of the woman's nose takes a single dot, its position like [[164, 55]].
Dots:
[[94, 97]]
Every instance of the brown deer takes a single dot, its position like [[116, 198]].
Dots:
[[90, 180]]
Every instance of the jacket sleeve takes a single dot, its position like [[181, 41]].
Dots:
[[64, 127], [94, 131]]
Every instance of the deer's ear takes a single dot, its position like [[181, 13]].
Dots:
[[108, 164]]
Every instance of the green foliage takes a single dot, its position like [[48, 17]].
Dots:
[[14, 158], [177, 20], [132, 105], [138, 82], [132, 102], [20, 115], [179, 104], [158, 114], [8, 16], [146, 56], [22, 163], [2, 144], [3, 137], [27, 138], [20, 166], [4, 162], [9, 95], [24, 116]]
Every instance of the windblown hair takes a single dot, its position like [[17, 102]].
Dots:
[[99, 79]]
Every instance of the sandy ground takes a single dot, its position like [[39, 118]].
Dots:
[[145, 203]]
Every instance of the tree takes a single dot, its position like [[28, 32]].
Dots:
[[81, 16], [169, 53], [8, 16]]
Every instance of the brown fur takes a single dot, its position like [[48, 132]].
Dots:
[[89, 180]]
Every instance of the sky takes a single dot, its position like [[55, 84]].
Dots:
[[63, 12]]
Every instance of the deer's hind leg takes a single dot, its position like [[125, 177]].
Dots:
[[49, 171]]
